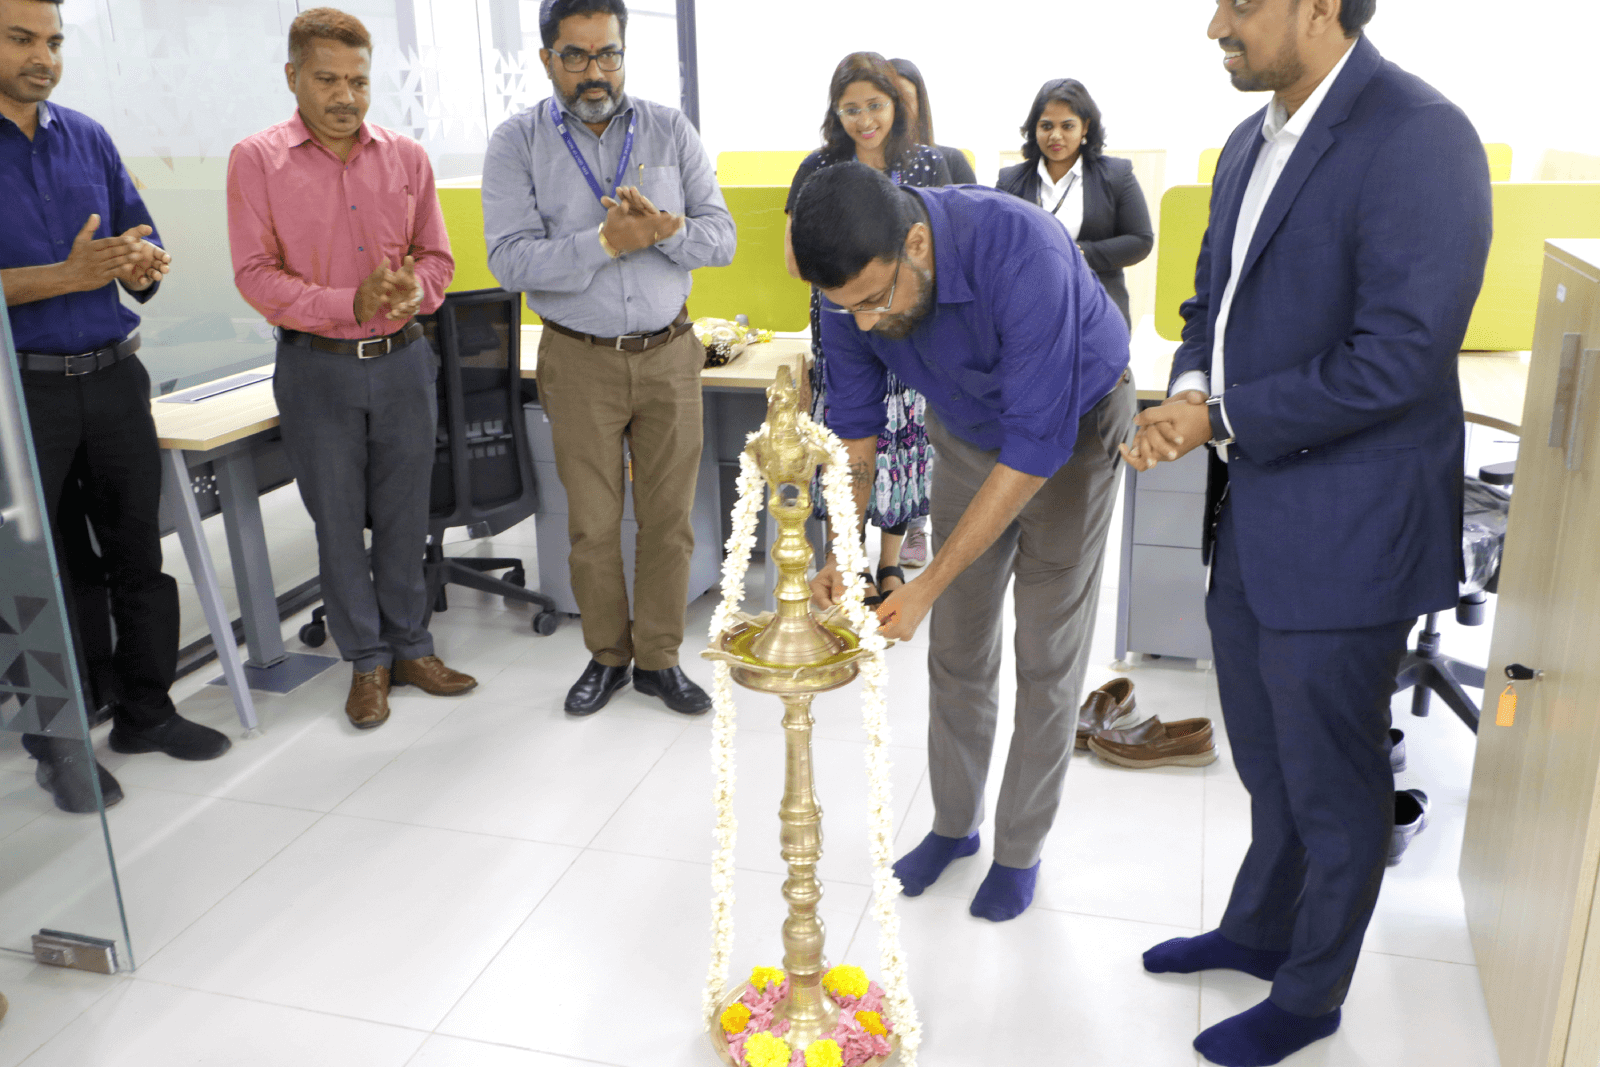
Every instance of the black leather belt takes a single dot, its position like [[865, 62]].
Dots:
[[371, 349], [76, 366], [632, 342]]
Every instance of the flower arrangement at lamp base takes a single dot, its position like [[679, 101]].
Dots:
[[752, 1032]]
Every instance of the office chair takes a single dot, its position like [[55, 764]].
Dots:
[[483, 474], [1482, 539]]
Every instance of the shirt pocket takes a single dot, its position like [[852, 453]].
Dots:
[[664, 188]]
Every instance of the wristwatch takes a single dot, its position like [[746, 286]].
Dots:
[[1220, 434]]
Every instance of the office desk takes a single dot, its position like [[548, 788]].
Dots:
[[220, 445], [1161, 587]]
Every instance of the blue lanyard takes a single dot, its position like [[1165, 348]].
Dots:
[[583, 164]]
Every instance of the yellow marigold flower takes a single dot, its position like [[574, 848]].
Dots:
[[735, 1017], [762, 977], [846, 981], [871, 1022], [764, 1050], [824, 1053]]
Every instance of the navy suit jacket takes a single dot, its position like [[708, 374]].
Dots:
[[1341, 350]]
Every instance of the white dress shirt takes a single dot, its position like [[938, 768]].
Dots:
[[1280, 134], [1068, 211]]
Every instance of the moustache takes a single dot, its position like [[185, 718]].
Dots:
[[1231, 44], [39, 72], [352, 112], [584, 87]]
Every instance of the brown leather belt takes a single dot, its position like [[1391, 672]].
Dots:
[[632, 342], [371, 349], [76, 366]]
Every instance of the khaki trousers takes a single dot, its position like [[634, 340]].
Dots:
[[595, 397], [1053, 553]]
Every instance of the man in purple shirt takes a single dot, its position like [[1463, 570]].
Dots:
[[76, 229], [980, 302]]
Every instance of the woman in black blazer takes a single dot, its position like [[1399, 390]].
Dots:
[[1095, 196]]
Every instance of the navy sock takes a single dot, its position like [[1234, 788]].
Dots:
[[1005, 893], [1185, 955], [922, 866], [1264, 1035]]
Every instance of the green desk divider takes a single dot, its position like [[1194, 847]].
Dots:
[[756, 284], [1526, 214]]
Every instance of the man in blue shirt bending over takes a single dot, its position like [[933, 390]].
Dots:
[[979, 301]]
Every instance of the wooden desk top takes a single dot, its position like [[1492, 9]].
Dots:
[[754, 369], [1492, 383], [234, 416]]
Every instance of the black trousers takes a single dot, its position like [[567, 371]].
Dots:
[[93, 436], [1307, 714]]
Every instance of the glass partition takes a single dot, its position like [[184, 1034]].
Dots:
[[179, 82], [57, 870]]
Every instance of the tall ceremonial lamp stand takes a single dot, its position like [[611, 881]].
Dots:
[[794, 655]]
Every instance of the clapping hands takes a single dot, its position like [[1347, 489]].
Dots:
[[127, 258], [397, 290], [633, 222], [1170, 431]]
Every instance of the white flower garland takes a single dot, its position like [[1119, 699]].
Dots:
[[851, 559]]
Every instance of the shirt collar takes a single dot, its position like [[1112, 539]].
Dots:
[[1277, 121], [46, 117], [949, 278], [1044, 172], [300, 133]]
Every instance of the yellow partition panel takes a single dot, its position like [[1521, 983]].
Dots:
[[1499, 161], [756, 283], [758, 168], [1208, 165], [1526, 214], [1184, 212]]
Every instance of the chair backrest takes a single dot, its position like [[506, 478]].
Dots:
[[483, 473]]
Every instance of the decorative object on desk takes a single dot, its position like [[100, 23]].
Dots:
[[795, 654], [726, 341]]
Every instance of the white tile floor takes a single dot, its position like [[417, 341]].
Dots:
[[485, 883]]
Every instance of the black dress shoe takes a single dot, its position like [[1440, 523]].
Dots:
[[64, 771], [674, 688], [592, 691], [176, 736], [1410, 819]]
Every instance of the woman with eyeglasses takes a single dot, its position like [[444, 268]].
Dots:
[[867, 121], [1094, 196]]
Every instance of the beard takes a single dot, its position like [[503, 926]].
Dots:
[[1285, 69], [899, 327], [593, 110]]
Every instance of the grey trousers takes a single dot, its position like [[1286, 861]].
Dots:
[[1054, 552], [360, 439]]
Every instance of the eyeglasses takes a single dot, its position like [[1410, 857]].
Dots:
[[874, 311], [575, 62], [851, 114]]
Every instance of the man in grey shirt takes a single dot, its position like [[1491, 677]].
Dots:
[[597, 205]]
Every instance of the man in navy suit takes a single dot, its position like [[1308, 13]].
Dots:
[[1350, 222]]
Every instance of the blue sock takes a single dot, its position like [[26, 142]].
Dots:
[[1185, 955], [922, 866], [1263, 1035], [1005, 893]]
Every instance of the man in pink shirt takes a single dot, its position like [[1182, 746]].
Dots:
[[338, 241]]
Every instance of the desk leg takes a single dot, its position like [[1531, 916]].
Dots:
[[186, 515], [247, 548], [1130, 488]]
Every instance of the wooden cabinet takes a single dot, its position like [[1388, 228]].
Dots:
[[1532, 846]]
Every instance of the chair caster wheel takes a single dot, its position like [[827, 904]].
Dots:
[[545, 623], [313, 634]]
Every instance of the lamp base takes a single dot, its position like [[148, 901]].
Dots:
[[719, 1040]]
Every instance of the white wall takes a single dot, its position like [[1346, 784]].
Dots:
[[1523, 72]]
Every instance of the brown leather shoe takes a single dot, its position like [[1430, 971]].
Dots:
[[368, 705], [1103, 707], [1154, 743], [430, 675]]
